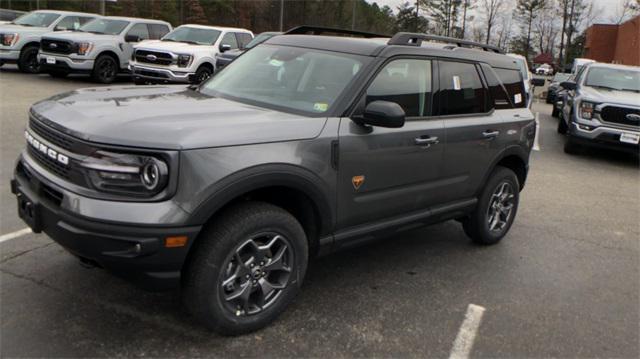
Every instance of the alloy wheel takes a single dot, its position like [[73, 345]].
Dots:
[[500, 207]]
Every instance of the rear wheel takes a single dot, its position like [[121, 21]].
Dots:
[[28, 61], [105, 69], [246, 269], [496, 209]]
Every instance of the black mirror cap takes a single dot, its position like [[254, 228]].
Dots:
[[383, 114], [537, 82], [569, 85], [132, 38], [225, 47]]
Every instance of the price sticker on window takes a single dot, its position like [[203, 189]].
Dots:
[[517, 98], [456, 83]]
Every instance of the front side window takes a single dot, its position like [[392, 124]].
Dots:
[[230, 39], [461, 90], [406, 82], [139, 30], [37, 19], [613, 79], [193, 35], [105, 26], [287, 78]]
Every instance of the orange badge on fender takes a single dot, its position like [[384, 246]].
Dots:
[[357, 181]]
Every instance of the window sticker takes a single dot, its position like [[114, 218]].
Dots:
[[456, 83], [320, 106], [517, 98]]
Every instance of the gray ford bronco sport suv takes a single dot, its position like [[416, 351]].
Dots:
[[302, 146]]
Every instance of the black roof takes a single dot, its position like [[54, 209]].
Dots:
[[380, 47]]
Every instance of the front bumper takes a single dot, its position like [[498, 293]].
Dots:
[[133, 251], [604, 137], [154, 74], [65, 63], [9, 56]]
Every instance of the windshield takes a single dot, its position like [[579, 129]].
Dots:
[[193, 35], [296, 79], [615, 79], [105, 26], [37, 19], [260, 39]]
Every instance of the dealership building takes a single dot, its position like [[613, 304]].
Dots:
[[619, 44]]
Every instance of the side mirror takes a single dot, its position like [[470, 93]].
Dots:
[[537, 82], [569, 85], [225, 47], [132, 38], [382, 114]]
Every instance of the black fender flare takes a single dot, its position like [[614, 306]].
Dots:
[[254, 178], [512, 150]]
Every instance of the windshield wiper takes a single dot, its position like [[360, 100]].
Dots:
[[190, 42], [96, 32], [172, 40]]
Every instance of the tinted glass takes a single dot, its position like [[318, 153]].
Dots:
[[139, 30], [68, 23], [193, 35], [105, 26], [406, 82], [229, 39], [461, 90], [512, 81], [613, 78], [84, 20], [157, 31], [243, 39], [37, 19], [499, 96], [261, 38], [287, 78]]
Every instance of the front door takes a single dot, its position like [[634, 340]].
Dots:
[[391, 171]]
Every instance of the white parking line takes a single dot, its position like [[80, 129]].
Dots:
[[16, 234], [536, 139], [467, 333]]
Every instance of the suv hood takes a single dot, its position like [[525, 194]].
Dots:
[[169, 117], [170, 46], [611, 96], [80, 36]]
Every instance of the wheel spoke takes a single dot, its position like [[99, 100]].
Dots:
[[277, 261]]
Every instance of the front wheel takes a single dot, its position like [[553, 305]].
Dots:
[[105, 69], [28, 61], [496, 209], [246, 269], [202, 75]]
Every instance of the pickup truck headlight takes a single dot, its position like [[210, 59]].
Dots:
[[586, 109], [84, 48], [184, 60], [9, 39], [125, 174]]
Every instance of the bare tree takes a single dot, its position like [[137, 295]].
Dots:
[[491, 8], [545, 29], [625, 10], [466, 6]]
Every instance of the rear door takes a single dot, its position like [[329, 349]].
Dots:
[[384, 172], [474, 130]]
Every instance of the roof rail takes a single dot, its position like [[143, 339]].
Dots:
[[319, 30], [415, 39]]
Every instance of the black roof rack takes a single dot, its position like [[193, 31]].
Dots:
[[415, 39], [319, 30]]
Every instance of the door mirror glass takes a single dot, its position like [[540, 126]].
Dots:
[[225, 47], [382, 114]]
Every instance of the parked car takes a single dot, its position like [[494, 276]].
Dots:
[[101, 48], [306, 146], [554, 86], [224, 58], [579, 63], [6, 15], [602, 108], [186, 55], [20, 39], [544, 69], [526, 76]]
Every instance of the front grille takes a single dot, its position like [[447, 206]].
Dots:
[[57, 46], [51, 136], [51, 164], [619, 115], [153, 57]]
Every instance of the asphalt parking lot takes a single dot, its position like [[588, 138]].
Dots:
[[563, 283]]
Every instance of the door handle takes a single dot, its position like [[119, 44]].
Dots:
[[426, 141], [490, 134]]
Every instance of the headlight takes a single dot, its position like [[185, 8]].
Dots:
[[586, 109], [133, 175], [9, 39], [84, 48], [184, 60]]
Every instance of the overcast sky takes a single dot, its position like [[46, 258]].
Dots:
[[608, 7]]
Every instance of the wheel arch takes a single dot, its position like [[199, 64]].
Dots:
[[30, 44], [514, 158], [113, 55]]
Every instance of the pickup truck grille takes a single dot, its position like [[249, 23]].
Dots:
[[618, 115], [57, 46], [153, 57]]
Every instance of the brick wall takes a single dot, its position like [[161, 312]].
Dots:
[[628, 43], [614, 43]]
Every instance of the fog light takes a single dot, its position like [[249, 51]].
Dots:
[[585, 127]]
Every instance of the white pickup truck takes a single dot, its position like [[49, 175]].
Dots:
[[185, 55]]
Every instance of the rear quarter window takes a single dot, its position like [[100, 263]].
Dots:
[[513, 83], [499, 99]]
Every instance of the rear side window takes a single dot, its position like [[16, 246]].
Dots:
[[157, 31], [461, 90], [243, 39], [230, 39], [406, 82], [68, 23], [512, 81], [499, 96]]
